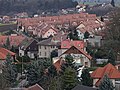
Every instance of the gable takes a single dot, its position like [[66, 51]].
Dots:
[[75, 50], [32, 46]]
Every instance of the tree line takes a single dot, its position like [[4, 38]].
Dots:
[[11, 6]]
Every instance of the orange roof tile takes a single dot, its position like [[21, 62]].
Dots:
[[14, 40], [109, 69], [58, 64], [4, 52], [66, 44], [35, 87]]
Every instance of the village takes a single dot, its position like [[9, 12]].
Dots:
[[60, 52]]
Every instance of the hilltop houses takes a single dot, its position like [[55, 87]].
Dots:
[[109, 70]]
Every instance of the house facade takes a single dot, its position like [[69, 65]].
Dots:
[[99, 73], [81, 58], [45, 48], [29, 47]]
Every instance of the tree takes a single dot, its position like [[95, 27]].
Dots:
[[54, 53], [106, 84], [112, 32], [113, 3], [55, 83], [73, 33], [111, 57], [102, 19], [69, 60], [76, 37], [32, 74], [86, 35], [12, 49], [52, 71], [36, 71], [69, 79], [7, 44], [10, 71], [86, 78]]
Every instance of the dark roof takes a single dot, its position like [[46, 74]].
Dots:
[[26, 42], [81, 87], [48, 42]]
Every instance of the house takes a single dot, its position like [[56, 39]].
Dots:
[[55, 21], [28, 47], [95, 41], [99, 73], [34, 87], [67, 43], [46, 31], [91, 26], [14, 40], [45, 48], [3, 55], [82, 87], [80, 56]]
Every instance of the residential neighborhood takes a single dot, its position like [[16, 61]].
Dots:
[[65, 45]]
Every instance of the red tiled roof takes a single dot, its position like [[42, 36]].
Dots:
[[66, 44], [109, 69], [62, 19], [35, 87], [58, 64], [4, 52], [14, 40], [76, 50]]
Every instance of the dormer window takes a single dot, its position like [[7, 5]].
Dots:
[[64, 45]]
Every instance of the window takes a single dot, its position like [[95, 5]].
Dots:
[[45, 53], [53, 46], [20, 54], [40, 53], [64, 45], [45, 47], [86, 63], [40, 47]]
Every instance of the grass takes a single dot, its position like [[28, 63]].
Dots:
[[4, 24]]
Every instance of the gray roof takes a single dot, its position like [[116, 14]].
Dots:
[[26, 42], [48, 42], [81, 87]]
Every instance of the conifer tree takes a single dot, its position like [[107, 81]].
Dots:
[[7, 43], [69, 79], [106, 84], [86, 35], [111, 57], [10, 71], [113, 3], [86, 78]]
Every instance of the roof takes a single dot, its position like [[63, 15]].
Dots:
[[4, 52], [58, 19], [81, 87], [48, 42], [14, 40], [26, 42], [76, 50], [35, 87], [60, 36], [58, 64], [109, 69], [66, 44]]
